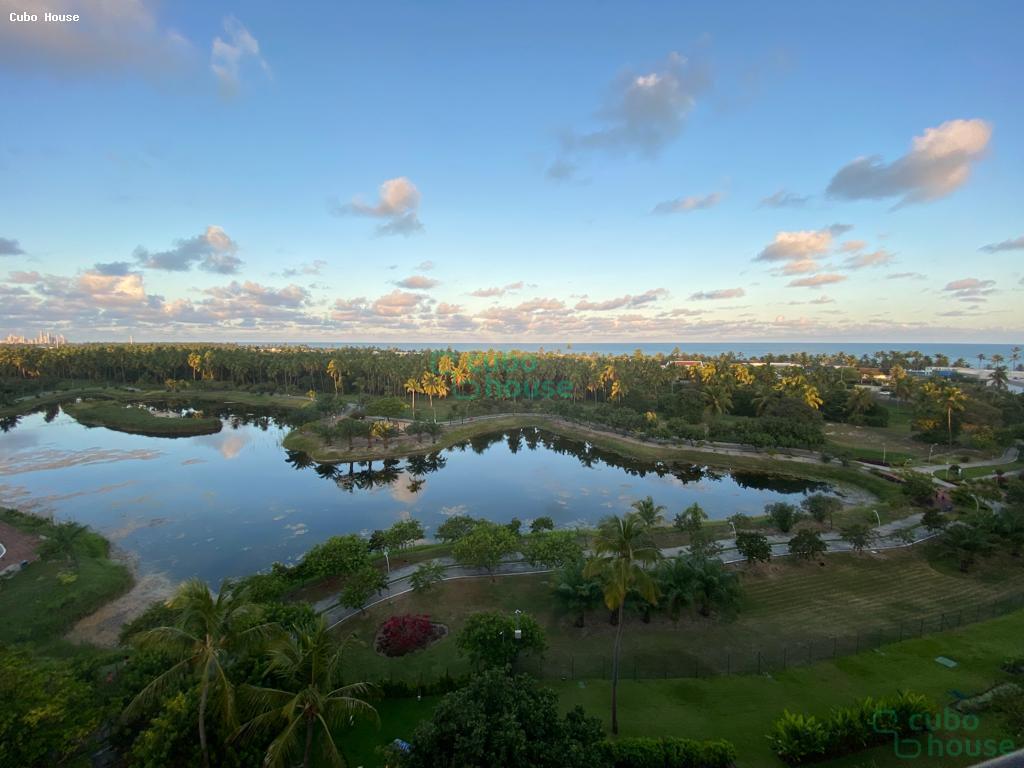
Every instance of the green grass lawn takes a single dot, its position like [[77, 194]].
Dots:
[[44, 600], [742, 708], [792, 612], [138, 421]]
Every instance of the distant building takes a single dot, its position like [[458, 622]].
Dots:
[[42, 339]]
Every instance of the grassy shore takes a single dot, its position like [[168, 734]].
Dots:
[[303, 440], [138, 421], [135, 395], [44, 600]]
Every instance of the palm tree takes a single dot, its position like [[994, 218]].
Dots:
[[209, 633], [860, 402], [382, 430], [309, 701], [675, 582], [63, 539], [718, 399], [1000, 379], [412, 387], [713, 585], [334, 370], [577, 591], [1014, 356], [951, 399], [649, 512], [981, 358], [623, 552]]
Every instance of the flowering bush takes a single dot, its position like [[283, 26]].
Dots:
[[400, 635]]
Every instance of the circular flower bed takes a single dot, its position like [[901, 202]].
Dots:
[[400, 635]]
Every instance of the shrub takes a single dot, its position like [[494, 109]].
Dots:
[[668, 752], [400, 635], [754, 546], [798, 738], [807, 544]]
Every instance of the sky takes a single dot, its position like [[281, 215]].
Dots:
[[512, 171]]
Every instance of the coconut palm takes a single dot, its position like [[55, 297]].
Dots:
[[309, 700], [63, 539], [981, 358], [623, 553], [951, 399], [713, 585], [718, 399], [211, 631], [860, 402], [1000, 380], [676, 584], [334, 370], [1014, 356], [649, 512], [577, 591]]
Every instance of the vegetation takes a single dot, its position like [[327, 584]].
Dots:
[[622, 555], [497, 640], [139, 420], [807, 544], [753, 546], [73, 577]]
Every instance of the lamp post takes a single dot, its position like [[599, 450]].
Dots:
[[930, 449], [387, 559], [518, 633]]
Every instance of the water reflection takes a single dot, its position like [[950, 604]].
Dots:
[[234, 502]]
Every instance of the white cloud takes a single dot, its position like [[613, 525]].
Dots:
[[212, 251], [817, 281], [417, 282], [1016, 244], [10, 247], [939, 162], [783, 199], [228, 56], [801, 246], [721, 293], [485, 293], [905, 276], [643, 113], [398, 204], [879, 258], [971, 289], [647, 297], [687, 204]]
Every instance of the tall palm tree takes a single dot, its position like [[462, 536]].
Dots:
[[981, 358], [1014, 356], [1000, 379], [334, 370], [623, 552], [718, 399], [951, 399], [209, 634], [648, 511], [309, 700], [412, 386]]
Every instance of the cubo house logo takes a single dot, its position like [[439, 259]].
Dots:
[[950, 734], [497, 375]]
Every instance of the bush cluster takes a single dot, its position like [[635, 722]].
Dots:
[[798, 738], [404, 634], [667, 752]]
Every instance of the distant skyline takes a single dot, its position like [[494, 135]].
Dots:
[[507, 172]]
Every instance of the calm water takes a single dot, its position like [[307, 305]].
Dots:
[[232, 503], [749, 349]]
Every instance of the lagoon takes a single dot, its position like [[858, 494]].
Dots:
[[231, 503]]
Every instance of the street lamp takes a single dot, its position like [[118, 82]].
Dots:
[[518, 634], [387, 559], [733, 526], [930, 449]]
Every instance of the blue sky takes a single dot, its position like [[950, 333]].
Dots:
[[513, 171]]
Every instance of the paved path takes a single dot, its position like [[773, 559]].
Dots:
[[400, 578], [1009, 456]]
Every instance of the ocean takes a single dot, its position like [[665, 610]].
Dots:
[[748, 349]]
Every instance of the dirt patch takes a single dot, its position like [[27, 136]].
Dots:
[[19, 546], [103, 626]]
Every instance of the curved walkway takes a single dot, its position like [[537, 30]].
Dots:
[[400, 581]]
